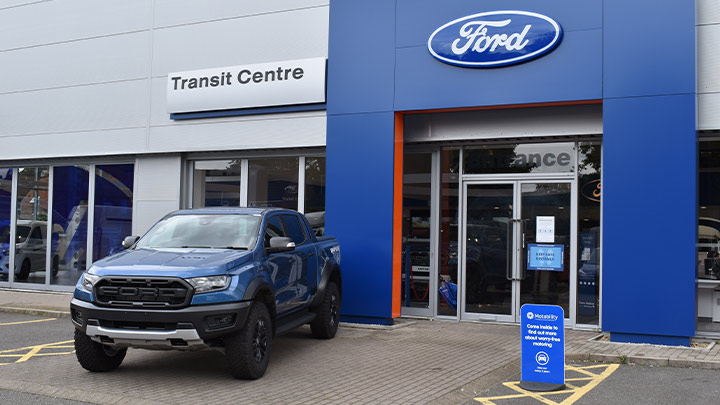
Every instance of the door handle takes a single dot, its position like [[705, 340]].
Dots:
[[508, 241], [311, 254]]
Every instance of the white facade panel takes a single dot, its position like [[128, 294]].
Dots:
[[88, 143], [709, 111], [173, 12], [708, 12], [258, 132], [74, 109], [156, 191], [69, 20], [15, 3], [708, 38], [275, 37], [511, 123], [105, 59]]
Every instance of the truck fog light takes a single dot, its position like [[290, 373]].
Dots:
[[220, 321]]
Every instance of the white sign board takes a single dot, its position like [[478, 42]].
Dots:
[[545, 230], [292, 82]]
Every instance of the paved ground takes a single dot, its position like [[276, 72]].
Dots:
[[419, 362]]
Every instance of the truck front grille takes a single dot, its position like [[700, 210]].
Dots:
[[143, 292]]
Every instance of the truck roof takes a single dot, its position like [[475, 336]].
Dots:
[[226, 210]]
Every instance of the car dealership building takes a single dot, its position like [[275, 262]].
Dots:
[[470, 157]]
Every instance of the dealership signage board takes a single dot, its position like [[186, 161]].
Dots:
[[494, 38], [543, 347], [292, 82]]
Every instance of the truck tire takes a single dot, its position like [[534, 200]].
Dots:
[[328, 314], [24, 271], [94, 356], [248, 350]]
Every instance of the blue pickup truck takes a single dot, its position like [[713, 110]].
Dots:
[[213, 278]]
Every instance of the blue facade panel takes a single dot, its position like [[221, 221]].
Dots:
[[639, 57], [573, 71], [649, 48], [650, 214], [359, 200], [417, 19], [649, 146], [361, 52]]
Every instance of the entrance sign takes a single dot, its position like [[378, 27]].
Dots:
[[292, 82], [545, 229], [545, 257], [494, 38], [543, 347]]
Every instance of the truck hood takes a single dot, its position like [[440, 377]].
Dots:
[[183, 263]]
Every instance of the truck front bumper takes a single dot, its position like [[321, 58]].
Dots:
[[191, 328]]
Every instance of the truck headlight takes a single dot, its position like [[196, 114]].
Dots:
[[89, 280], [209, 284]]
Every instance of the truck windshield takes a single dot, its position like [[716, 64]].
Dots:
[[218, 231]]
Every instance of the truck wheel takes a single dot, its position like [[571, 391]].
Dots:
[[248, 350], [24, 271], [94, 356], [328, 314]]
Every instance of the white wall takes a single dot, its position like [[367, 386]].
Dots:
[[87, 78], [156, 191], [708, 63]]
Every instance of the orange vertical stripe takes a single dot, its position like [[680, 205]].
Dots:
[[397, 216]]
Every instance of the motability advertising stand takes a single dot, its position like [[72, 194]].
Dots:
[[543, 347]]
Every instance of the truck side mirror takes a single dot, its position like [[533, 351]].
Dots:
[[129, 241], [280, 244]]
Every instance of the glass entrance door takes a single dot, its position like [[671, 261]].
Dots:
[[517, 242]]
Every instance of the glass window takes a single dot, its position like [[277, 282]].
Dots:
[[274, 229], [448, 260], [69, 223], [5, 204], [273, 182], [32, 216], [708, 245], [294, 229], [315, 193], [217, 183], [520, 158], [589, 189], [415, 270], [113, 208]]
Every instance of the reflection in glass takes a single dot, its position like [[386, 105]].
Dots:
[[113, 208], [69, 223], [5, 207], [315, 193], [31, 224], [708, 244], [217, 183], [589, 189], [550, 287], [415, 268], [273, 182], [488, 244], [448, 257], [520, 158]]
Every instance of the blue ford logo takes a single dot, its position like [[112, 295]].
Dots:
[[495, 38]]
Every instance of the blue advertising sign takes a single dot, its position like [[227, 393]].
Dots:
[[545, 257], [543, 347], [494, 38]]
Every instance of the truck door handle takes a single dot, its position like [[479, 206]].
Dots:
[[292, 260], [311, 254]]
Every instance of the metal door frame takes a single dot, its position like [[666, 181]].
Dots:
[[517, 180]]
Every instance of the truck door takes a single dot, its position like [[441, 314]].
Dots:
[[305, 269], [282, 267]]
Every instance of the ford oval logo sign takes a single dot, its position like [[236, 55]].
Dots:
[[495, 38]]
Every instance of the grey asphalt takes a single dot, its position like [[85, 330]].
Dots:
[[23, 398], [14, 335]]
